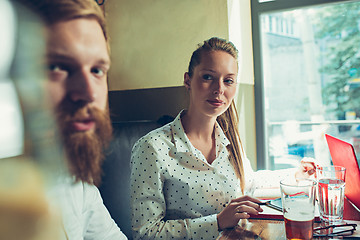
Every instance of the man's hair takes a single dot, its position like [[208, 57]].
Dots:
[[54, 11]]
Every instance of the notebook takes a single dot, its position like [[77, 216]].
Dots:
[[273, 211], [343, 154]]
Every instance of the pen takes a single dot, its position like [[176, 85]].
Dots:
[[262, 203], [268, 204]]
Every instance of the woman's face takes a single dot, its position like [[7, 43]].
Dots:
[[213, 84]]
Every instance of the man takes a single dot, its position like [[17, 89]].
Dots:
[[78, 61]]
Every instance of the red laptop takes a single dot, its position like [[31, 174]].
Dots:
[[343, 154]]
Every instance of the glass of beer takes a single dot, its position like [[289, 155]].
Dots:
[[331, 193], [298, 201]]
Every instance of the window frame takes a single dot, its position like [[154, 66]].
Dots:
[[258, 8]]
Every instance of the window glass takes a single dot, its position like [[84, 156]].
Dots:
[[311, 79], [11, 124]]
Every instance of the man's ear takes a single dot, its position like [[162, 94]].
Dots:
[[187, 80]]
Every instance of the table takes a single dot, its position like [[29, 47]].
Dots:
[[274, 229]]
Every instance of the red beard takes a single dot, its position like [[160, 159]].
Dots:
[[84, 149]]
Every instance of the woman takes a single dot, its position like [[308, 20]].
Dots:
[[188, 177]]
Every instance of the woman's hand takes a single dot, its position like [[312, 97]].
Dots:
[[306, 169], [237, 209]]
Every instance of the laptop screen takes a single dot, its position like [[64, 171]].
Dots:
[[343, 154]]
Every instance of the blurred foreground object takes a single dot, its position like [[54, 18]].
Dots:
[[30, 158]]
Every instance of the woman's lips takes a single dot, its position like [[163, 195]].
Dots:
[[215, 102], [83, 125]]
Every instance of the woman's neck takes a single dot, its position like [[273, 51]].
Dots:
[[197, 125], [200, 131]]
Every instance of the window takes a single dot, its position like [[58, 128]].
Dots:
[[307, 78], [11, 121]]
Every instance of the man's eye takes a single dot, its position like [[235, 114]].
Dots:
[[98, 71], [59, 68], [57, 72], [207, 77], [54, 68]]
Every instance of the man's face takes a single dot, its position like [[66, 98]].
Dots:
[[78, 62]]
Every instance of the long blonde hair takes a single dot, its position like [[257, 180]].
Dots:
[[229, 120]]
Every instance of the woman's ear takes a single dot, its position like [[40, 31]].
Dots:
[[187, 80]]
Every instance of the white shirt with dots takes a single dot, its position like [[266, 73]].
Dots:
[[176, 193]]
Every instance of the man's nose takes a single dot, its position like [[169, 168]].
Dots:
[[81, 87]]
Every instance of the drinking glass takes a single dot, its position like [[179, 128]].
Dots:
[[298, 201], [331, 193]]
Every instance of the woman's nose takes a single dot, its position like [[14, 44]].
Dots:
[[218, 87]]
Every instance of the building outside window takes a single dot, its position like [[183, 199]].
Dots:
[[307, 78]]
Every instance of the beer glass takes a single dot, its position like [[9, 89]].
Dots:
[[331, 192], [298, 201]]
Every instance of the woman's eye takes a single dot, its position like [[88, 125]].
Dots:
[[207, 77], [229, 81]]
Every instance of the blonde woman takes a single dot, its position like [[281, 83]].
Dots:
[[188, 177]]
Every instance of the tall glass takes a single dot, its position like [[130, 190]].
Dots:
[[298, 200], [331, 192]]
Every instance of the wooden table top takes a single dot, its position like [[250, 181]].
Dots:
[[274, 229]]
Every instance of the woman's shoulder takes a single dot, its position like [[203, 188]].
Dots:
[[161, 136], [157, 135]]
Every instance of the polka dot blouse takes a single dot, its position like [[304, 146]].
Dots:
[[175, 192]]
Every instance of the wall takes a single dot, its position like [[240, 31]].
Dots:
[[239, 15], [147, 104], [152, 40], [246, 110]]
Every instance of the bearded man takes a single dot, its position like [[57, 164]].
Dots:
[[78, 60]]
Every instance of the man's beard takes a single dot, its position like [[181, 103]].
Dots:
[[84, 149]]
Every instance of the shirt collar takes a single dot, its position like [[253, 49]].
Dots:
[[220, 135], [182, 142]]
